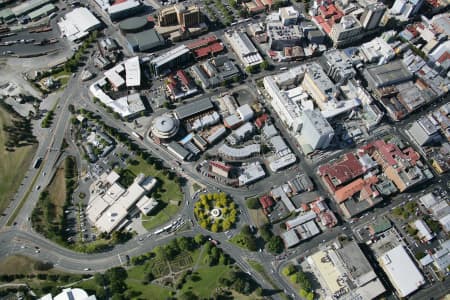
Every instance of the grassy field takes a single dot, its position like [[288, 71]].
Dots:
[[168, 190], [16, 264], [57, 191], [45, 216], [13, 165], [258, 217]]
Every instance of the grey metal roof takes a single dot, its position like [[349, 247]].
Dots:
[[193, 108], [145, 40]]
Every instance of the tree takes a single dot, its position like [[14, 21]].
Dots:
[[246, 230], [215, 227], [264, 65], [275, 245], [185, 244], [226, 224], [188, 295], [288, 270], [303, 281], [199, 239], [250, 69], [253, 203]]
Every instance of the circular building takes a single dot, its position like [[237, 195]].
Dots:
[[134, 24], [164, 128]]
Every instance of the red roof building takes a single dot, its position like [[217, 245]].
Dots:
[[341, 172], [261, 120], [266, 201]]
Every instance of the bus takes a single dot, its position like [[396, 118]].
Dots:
[[37, 162], [138, 135]]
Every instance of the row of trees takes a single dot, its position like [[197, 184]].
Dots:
[[19, 133], [264, 65], [300, 278], [48, 119], [72, 64]]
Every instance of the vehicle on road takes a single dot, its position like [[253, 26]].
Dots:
[[37, 162]]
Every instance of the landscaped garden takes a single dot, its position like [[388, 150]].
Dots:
[[216, 212]]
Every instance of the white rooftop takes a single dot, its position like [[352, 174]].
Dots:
[[133, 71], [402, 271], [78, 23]]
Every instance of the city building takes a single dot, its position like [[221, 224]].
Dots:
[[345, 32], [377, 51], [373, 13], [317, 84], [401, 271], [220, 168], [193, 109], [439, 209], [250, 173], [339, 172], [41, 12], [281, 36], [205, 47], [78, 23], [244, 48], [70, 294], [424, 131], [402, 167], [145, 40], [180, 14], [424, 232], [110, 203], [392, 73], [344, 272], [124, 9], [316, 130], [164, 128], [179, 86], [288, 15], [28, 6], [215, 72], [283, 101], [134, 24], [239, 153], [179, 151], [171, 60], [337, 66], [123, 76], [406, 8]]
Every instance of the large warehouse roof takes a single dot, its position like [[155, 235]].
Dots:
[[133, 24], [145, 40], [402, 271], [133, 71], [43, 11], [170, 55], [193, 108], [28, 6], [78, 23]]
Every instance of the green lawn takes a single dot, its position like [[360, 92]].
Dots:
[[13, 165], [148, 291], [168, 190], [209, 280]]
